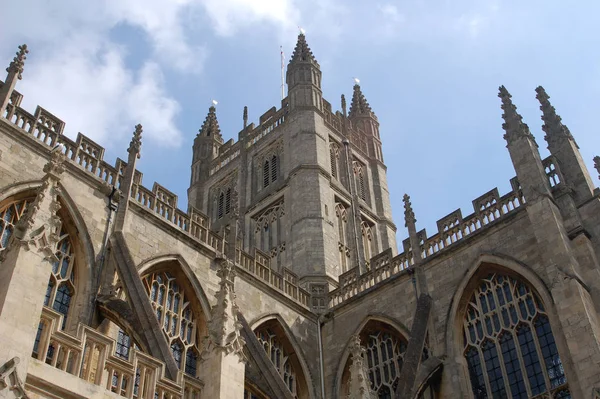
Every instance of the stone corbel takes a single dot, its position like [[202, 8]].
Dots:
[[9, 379]]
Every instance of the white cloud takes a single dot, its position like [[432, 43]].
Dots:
[[90, 88]]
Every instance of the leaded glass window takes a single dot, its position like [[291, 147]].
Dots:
[[123, 345], [9, 216], [279, 357], [174, 310], [508, 343], [385, 352], [61, 285]]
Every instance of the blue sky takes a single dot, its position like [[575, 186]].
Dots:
[[430, 70]]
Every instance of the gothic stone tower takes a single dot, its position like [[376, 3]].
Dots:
[[309, 185]]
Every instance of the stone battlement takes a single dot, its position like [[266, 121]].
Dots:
[[489, 209], [48, 130]]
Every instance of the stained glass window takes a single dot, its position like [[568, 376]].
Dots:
[[508, 343]]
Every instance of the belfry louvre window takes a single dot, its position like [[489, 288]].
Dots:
[[508, 343], [270, 172], [173, 308], [266, 177]]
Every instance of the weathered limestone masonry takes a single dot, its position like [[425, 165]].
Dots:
[[282, 280]]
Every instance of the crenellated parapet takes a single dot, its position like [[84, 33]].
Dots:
[[489, 209], [88, 156]]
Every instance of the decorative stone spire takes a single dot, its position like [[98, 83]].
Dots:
[[553, 126], [245, 116], [409, 215], [302, 52], [359, 384], [16, 66], [344, 105], [224, 328], [136, 141], [597, 165], [210, 127], [39, 228], [360, 106], [513, 122]]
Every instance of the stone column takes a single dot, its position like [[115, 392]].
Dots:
[[223, 362], [25, 267], [358, 384]]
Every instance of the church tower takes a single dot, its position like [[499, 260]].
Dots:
[[306, 188]]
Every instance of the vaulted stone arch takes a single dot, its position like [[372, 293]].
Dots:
[[80, 247], [532, 318], [377, 326], [285, 353]]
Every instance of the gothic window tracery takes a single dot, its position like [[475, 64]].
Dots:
[[359, 176], [509, 347], [60, 290], [268, 231], [174, 310], [281, 354], [342, 221], [368, 243], [384, 356]]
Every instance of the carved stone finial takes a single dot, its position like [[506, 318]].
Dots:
[[513, 122], [136, 141], [245, 116], [39, 228], [359, 384], [224, 328], [302, 52], [359, 105], [409, 214], [18, 63], [553, 126], [210, 127], [344, 105], [597, 165]]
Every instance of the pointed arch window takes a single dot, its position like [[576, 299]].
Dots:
[[60, 290], [281, 353], [360, 179], [174, 309], [342, 220], [384, 356], [508, 343]]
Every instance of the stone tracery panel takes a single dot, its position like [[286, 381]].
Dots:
[[179, 317], [269, 231], [509, 346]]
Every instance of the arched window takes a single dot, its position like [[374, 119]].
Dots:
[[508, 343], [367, 235], [384, 356], [359, 176], [334, 155], [344, 251], [175, 311], [61, 285], [9, 216], [278, 348], [220, 206], [266, 177]]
